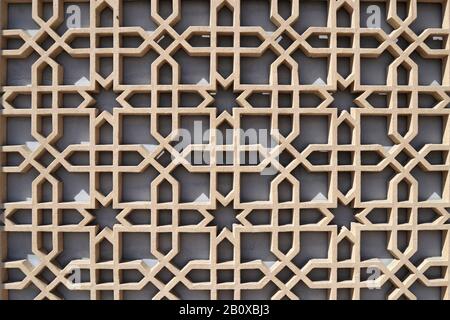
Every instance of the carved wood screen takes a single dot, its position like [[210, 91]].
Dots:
[[317, 165]]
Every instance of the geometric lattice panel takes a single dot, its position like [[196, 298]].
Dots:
[[225, 149]]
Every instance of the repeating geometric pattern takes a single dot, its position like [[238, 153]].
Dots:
[[348, 196]]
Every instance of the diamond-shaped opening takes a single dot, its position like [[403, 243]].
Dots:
[[285, 158], [403, 41], [285, 274], [285, 41], [46, 42], [403, 273], [46, 276], [165, 40], [164, 158], [164, 275], [403, 158], [45, 158]]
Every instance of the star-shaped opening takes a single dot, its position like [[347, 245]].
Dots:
[[343, 99], [106, 100], [105, 217], [343, 216], [225, 100], [224, 217]]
